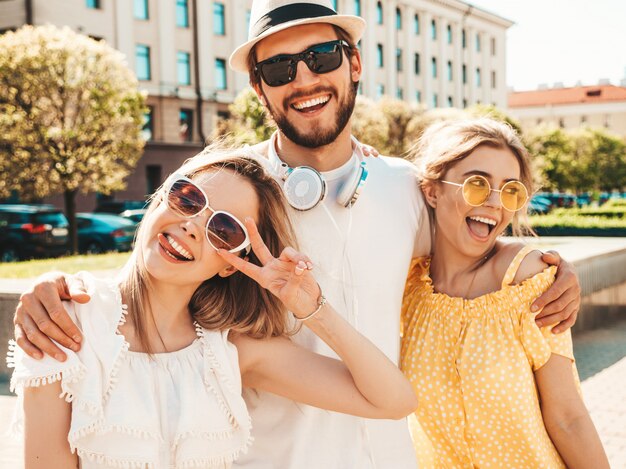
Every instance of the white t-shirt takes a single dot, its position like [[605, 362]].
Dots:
[[361, 258]]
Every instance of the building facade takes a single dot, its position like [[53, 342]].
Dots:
[[602, 105], [438, 53]]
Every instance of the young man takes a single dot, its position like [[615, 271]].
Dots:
[[303, 63]]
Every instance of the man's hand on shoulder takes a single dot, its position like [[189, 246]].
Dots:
[[561, 301], [40, 316]]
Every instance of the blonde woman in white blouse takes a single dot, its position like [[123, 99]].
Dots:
[[167, 348]]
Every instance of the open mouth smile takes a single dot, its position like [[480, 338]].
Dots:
[[312, 104], [480, 227], [173, 249]]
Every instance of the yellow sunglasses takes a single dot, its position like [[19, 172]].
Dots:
[[476, 191]]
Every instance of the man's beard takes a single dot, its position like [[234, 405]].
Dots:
[[316, 139]]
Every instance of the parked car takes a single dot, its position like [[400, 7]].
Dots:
[[118, 206], [539, 205], [134, 215], [28, 231], [559, 199], [102, 232]]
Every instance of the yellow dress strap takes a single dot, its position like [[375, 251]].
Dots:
[[515, 263]]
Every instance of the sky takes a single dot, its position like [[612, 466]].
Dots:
[[563, 41]]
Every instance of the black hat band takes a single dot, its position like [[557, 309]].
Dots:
[[287, 13]]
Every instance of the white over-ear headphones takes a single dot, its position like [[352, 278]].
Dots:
[[304, 187]]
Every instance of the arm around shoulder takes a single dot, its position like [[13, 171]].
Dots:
[[530, 266]]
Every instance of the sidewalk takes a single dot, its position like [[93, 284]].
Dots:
[[605, 396]]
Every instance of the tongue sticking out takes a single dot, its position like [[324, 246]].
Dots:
[[480, 229]]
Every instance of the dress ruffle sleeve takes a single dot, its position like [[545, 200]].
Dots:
[[540, 343], [86, 376]]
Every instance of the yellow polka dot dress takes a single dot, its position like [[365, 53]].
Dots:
[[471, 364]]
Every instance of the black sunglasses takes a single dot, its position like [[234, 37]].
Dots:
[[320, 58]]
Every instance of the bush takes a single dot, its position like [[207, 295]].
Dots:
[[570, 222], [615, 203]]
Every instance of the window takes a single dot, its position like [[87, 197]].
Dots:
[[583, 119], [93, 4], [435, 100], [380, 90], [433, 30], [379, 13], [433, 62], [417, 64], [418, 96], [399, 59], [450, 102], [416, 24], [183, 68], [142, 62], [153, 177], [449, 34], [561, 123], [464, 73], [463, 39], [186, 125], [493, 46], [219, 20], [140, 9], [182, 13], [478, 77], [357, 7], [493, 79], [379, 56], [398, 19], [220, 74], [464, 103], [248, 13], [477, 42], [147, 131], [449, 70], [400, 93]]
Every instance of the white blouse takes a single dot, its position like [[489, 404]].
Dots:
[[173, 410]]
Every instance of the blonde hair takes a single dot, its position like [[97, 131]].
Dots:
[[444, 144], [235, 302]]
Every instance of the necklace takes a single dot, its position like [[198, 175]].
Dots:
[[479, 264]]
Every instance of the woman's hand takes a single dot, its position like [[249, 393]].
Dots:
[[288, 276]]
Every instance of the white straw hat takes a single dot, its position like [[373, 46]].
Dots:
[[271, 16]]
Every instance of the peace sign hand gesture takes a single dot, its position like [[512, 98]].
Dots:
[[288, 276]]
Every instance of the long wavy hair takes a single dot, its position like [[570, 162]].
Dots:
[[235, 302], [444, 144]]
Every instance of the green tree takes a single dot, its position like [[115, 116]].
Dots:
[[70, 116], [552, 152], [248, 122], [369, 124], [603, 158], [483, 110]]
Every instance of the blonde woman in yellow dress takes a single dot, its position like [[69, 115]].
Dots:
[[494, 390]]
